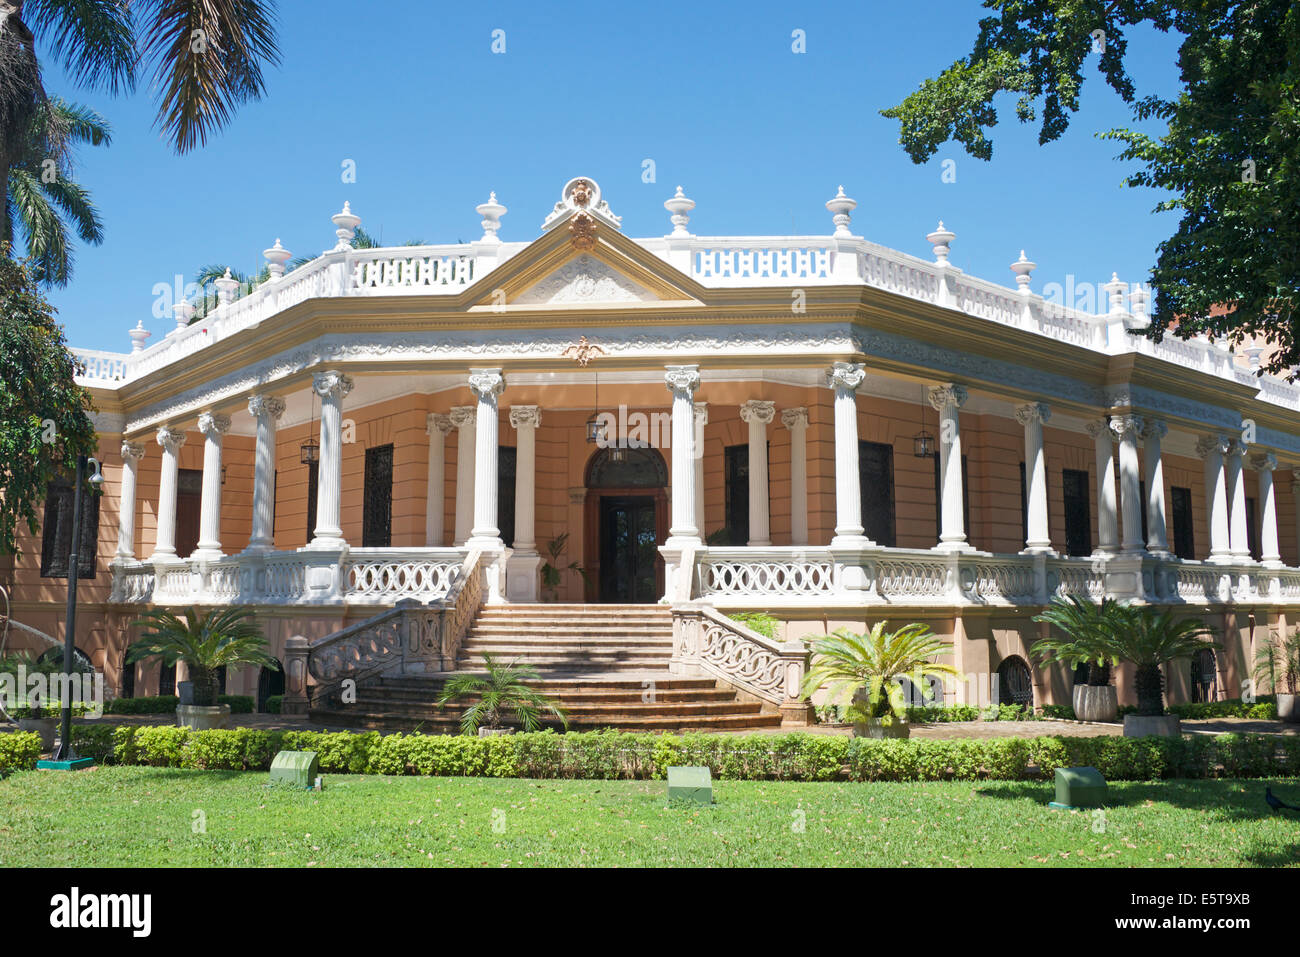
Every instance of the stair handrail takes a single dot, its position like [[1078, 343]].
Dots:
[[357, 652], [461, 606], [706, 641]]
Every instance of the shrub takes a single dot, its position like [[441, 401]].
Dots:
[[19, 751], [239, 703], [153, 704], [759, 621], [274, 703]]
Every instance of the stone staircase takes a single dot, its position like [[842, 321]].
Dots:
[[606, 665]]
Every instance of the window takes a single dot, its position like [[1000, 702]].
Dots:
[[507, 458], [189, 508], [876, 485], [128, 679], [965, 498], [1204, 676], [1181, 512], [313, 483], [1252, 530], [1078, 515], [56, 531], [377, 516], [167, 679], [737, 491]]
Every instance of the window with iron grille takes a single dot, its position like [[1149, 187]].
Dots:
[[1252, 530], [56, 531], [507, 459], [1078, 512], [1181, 513], [876, 487], [377, 517], [737, 492], [313, 485]]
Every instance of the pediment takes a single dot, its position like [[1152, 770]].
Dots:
[[585, 279]]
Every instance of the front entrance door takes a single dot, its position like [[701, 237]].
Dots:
[[628, 549]]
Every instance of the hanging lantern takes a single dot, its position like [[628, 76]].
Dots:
[[595, 429], [923, 444], [309, 452]]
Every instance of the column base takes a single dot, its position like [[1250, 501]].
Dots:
[[851, 541], [208, 554], [324, 544], [1037, 549], [485, 543], [949, 547], [522, 583]]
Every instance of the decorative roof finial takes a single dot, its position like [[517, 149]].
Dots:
[[840, 206], [679, 205]]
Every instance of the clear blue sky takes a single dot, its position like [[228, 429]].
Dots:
[[758, 135]]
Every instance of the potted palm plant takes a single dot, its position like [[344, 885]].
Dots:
[[553, 570], [1085, 631], [1149, 639], [500, 689], [1277, 665], [224, 637], [863, 672]]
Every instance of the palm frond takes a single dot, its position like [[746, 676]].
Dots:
[[93, 40]]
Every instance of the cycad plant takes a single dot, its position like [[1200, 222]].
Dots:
[[500, 689], [221, 638], [846, 663], [1277, 663], [1149, 639], [1084, 635]]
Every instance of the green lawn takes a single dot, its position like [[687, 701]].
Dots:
[[133, 816]]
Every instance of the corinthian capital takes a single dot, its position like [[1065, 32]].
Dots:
[[1038, 412], [463, 416], [487, 384], [1264, 462], [846, 376], [762, 411], [948, 396], [132, 450], [1122, 425], [793, 418], [214, 423], [331, 384], [266, 405], [1154, 429], [170, 439], [682, 380], [525, 415], [437, 422], [1208, 445]]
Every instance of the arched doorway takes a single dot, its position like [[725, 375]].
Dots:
[[625, 519], [54, 656], [269, 684], [1015, 682], [1205, 678]]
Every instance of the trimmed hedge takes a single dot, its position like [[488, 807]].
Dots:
[[167, 703], [942, 714], [609, 754], [1263, 708], [274, 703], [19, 751]]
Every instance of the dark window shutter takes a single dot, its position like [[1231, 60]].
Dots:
[[1078, 512], [737, 466], [377, 518], [56, 531], [876, 485], [507, 458], [313, 484], [1181, 512]]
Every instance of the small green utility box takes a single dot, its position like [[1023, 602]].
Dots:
[[296, 768], [1079, 787], [690, 784]]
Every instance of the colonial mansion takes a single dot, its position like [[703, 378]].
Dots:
[[590, 452]]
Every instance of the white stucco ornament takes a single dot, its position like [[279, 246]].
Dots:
[[581, 195]]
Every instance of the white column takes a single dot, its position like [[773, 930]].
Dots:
[[214, 426], [525, 419], [463, 418], [947, 400], [486, 384], [1126, 429], [758, 414], [701, 420], [522, 583], [332, 387], [267, 409], [796, 420], [171, 441], [1270, 551], [437, 425], [1212, 449], [1038, 536], [682, 381], [1107, 532], [1157, 523], [132, 452], [1235, 484], [845, 378]]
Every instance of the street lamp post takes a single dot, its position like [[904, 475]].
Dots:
[[65, 752]]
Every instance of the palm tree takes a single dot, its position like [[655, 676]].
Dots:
[[202, 60], [1149, 639], [41, 194], [846, 663], [206, 643], [1086, 631], [1277, 663], [501, 689]]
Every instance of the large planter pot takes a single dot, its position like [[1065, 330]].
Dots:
[[875, 728], [1146, 725], [1288, 708], [1095, 702], [203, 718], [494, 732], [45, 727]]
